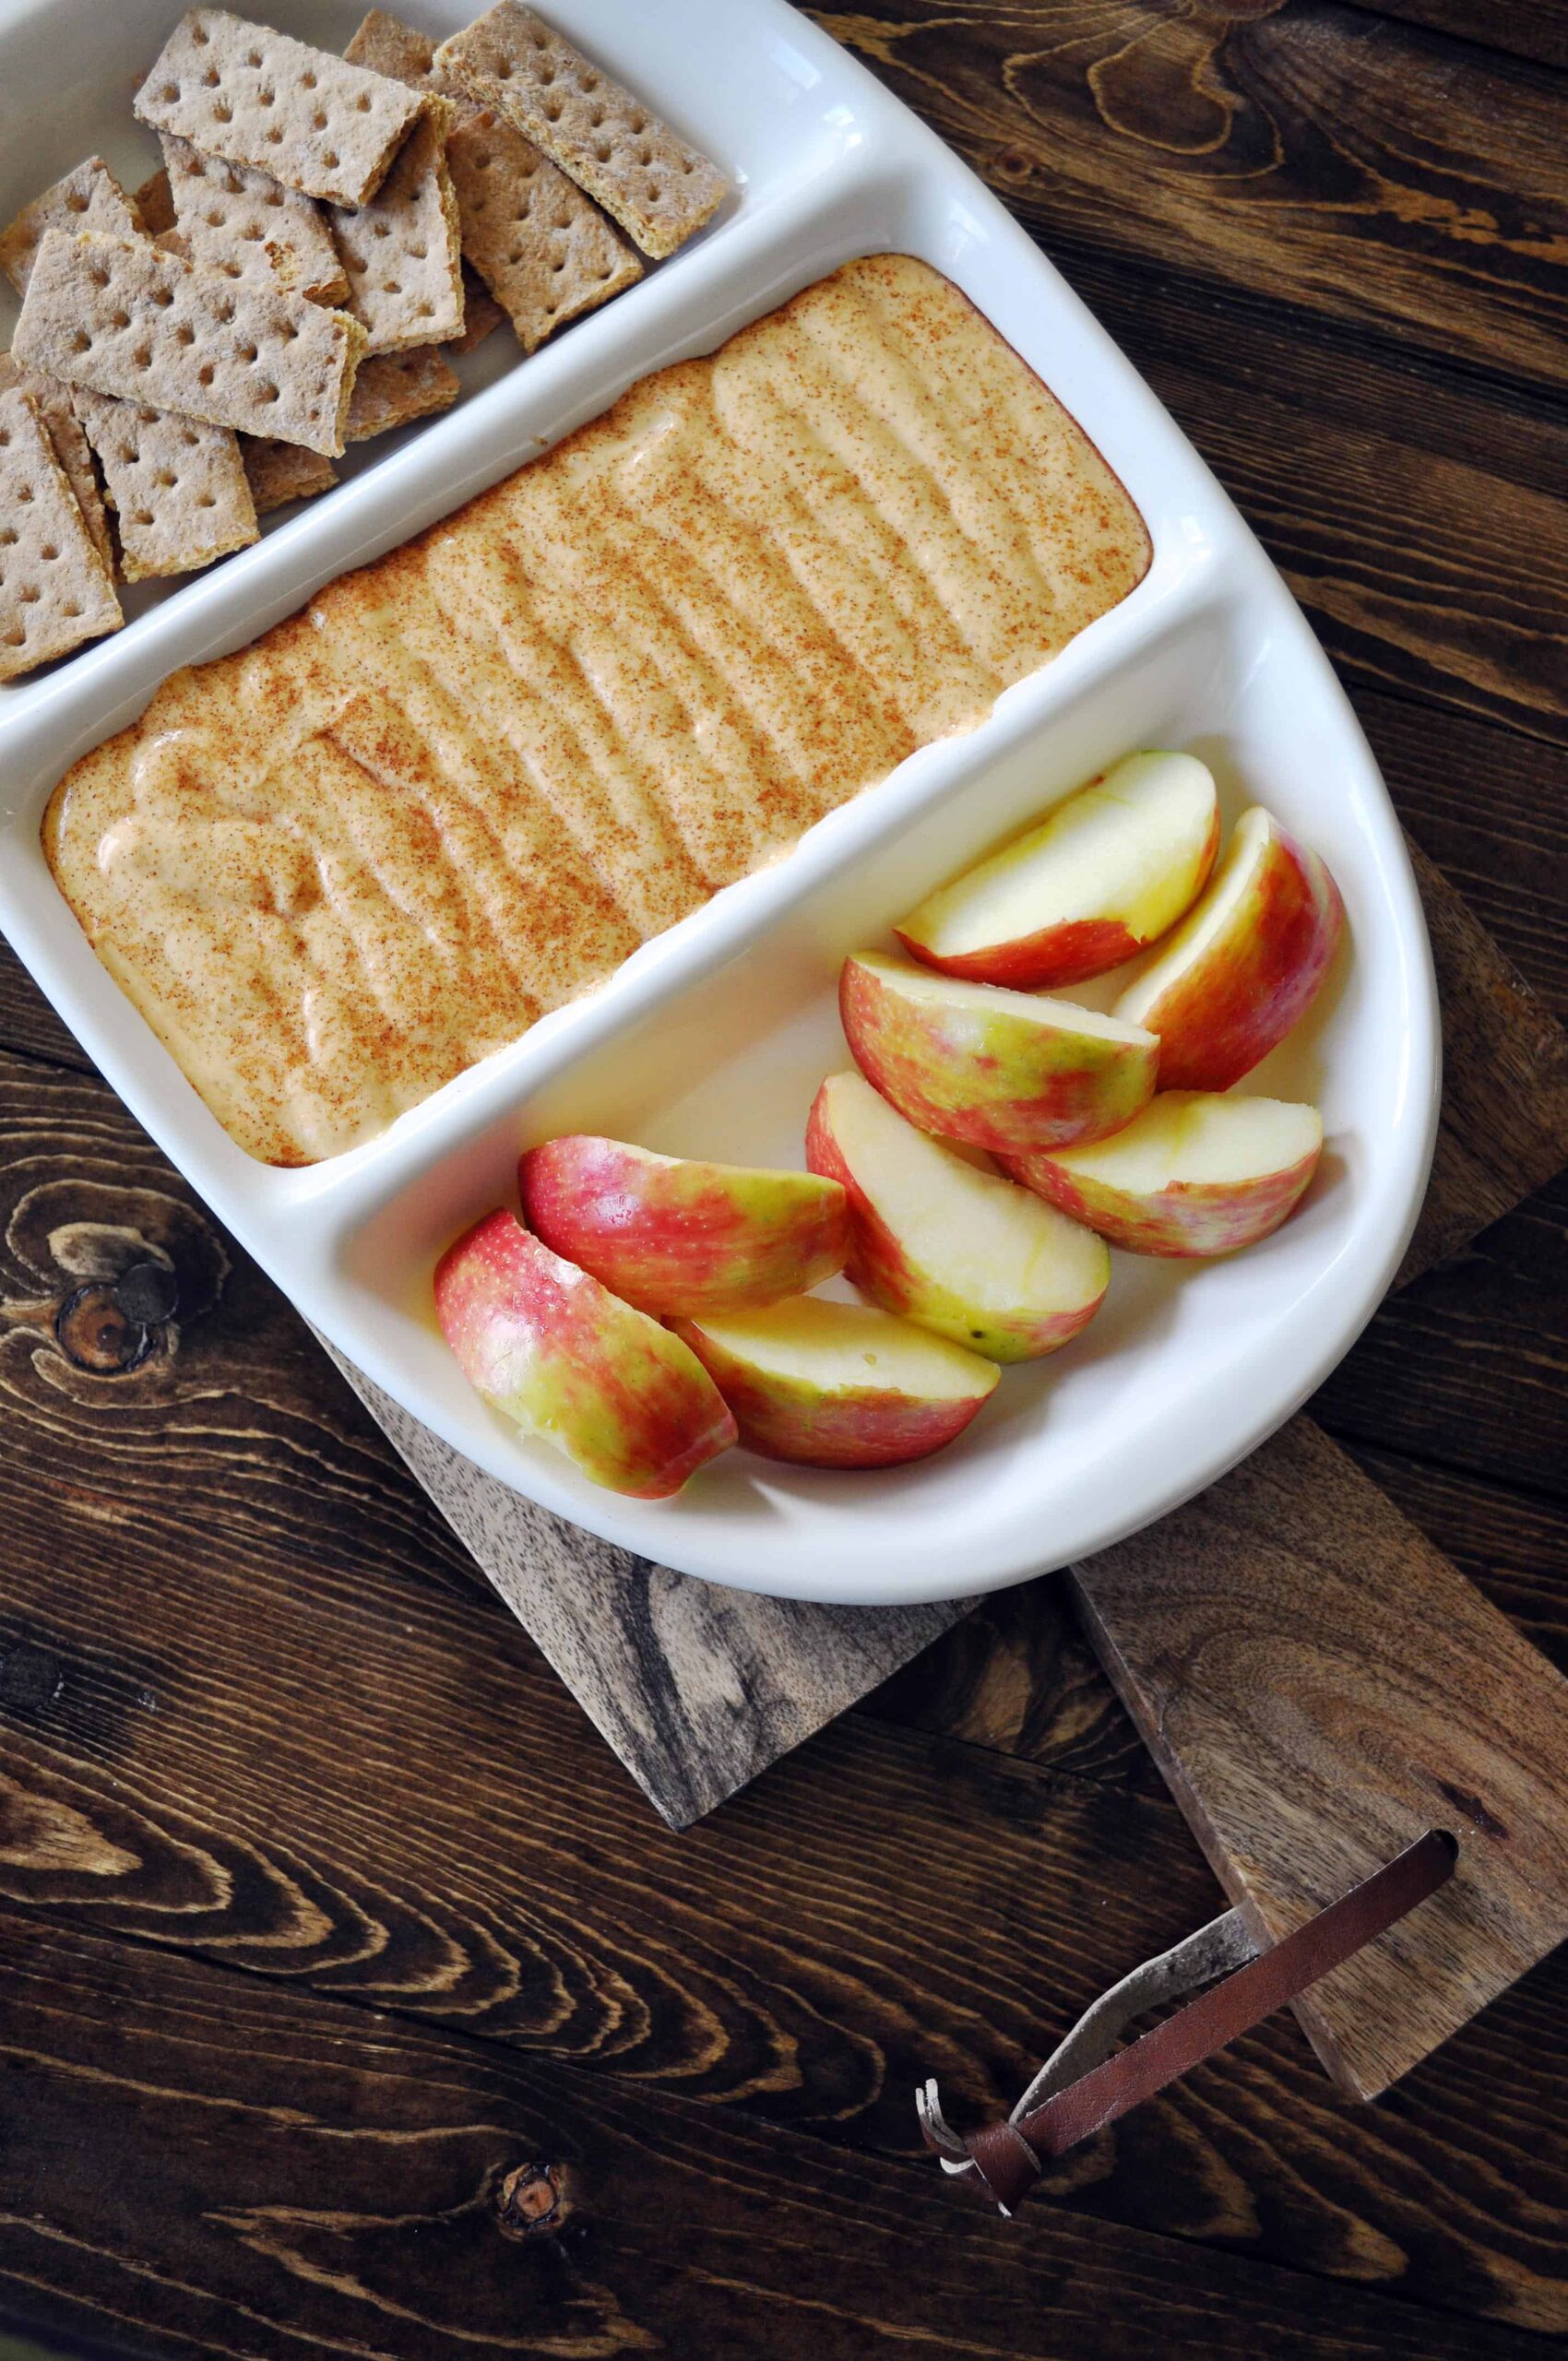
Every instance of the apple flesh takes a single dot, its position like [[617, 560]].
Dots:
[[1000, 1070], [1245, 964], [1197, 1173], [669, 1234], [955, 1249], [838, 1384], [1096, 881], [546, 1343]]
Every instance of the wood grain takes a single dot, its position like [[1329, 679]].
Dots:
[[1537, 28], [1350, 166], [199, 2162], [696, 1688], [1320, 1686]]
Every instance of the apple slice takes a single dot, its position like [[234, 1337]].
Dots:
[[950, 1247], [1100, 877], [674, 1235], [998, 1069], [838, 1384], [625, 1401], [1197, 1173], [1243, 965]]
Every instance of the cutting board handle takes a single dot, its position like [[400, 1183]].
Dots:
[[1088, 2081]]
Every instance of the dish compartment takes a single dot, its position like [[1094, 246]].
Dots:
[[727, 1065]]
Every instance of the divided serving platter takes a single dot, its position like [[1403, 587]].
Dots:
[[711, 1040]]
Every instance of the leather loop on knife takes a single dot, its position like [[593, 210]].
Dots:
[[1008, 2157]]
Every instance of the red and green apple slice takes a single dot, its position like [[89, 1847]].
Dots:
[[955, 1249], [1093, 883]]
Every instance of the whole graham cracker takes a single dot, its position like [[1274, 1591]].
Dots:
[[402, 251], [279, 472], [243, 91], [177, 487], [546, 254], [54, 587], [53, 402], [124, 316], [241, 222], [394, 388], [88, 198], [660, 189]]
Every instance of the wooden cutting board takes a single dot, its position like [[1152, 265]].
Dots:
[[1313, 1679]]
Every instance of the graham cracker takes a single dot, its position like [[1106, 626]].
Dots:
[[279, 472], [480, 313], [545, 252], [402, 251], [89, 197], [660, 189], [393, 387], [246, 224], [177, 487], [384, 44], [54, 587], [53, 402], [123, 317], [154, 201], [246, 92]]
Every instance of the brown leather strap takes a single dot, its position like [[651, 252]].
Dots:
[[1008, 2157]]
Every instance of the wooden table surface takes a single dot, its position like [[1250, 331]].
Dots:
[[351, 1999]]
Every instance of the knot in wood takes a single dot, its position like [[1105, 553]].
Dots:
[[97, 1333], [532, 2203], [31, 1677], [149, 1292]]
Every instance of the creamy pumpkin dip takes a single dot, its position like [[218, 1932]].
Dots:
[[458, 790]]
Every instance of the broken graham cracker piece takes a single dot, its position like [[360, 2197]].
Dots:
[[544, 252], [241, 222], [89, 197], [279, 472], [154, 201], [246, 92], [177, 486], [54, 587], [53, 402], [482, 312], [402, 251], [393, 387], [647, 179], [123, 317]]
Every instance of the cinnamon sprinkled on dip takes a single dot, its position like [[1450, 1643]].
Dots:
[[336, 868]]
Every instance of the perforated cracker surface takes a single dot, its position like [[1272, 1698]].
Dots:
[[312, 121], [89, 197], [124, 318], [53, 402], [544, 251], [249, 226], [393, 387], [278, 472], [402, 251], [177, 487], [54, 587], [649, 178]]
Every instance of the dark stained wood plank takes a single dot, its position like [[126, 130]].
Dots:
[[1466, 1368], [1515, 1548], [1503, 1128], [1320, 1686], [1356, 166], [296, 1752], [696, 1688], [28, 1024], [1489, 808], [196, 2160], [1537, 28]]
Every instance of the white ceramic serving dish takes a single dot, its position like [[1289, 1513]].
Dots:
[[711, 1040]]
